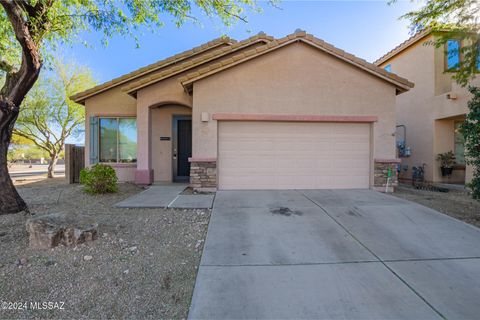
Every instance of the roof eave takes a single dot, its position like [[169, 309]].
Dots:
[[403, 46], [132, 91], [82, 96], [187, 82]]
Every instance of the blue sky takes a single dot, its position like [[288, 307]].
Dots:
[[367, 29]]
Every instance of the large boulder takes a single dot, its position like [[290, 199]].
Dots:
[[51, 230]]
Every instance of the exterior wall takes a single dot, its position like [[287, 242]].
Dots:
[[166, 92], [161, 126], [312, 83], [424, 108], [115, 104]]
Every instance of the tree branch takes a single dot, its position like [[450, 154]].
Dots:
[[19, 83], [28, 136]]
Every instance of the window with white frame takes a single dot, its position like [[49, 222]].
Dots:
[[118, 140]]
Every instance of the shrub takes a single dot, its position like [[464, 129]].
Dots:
[[99, 179], [471, 132]]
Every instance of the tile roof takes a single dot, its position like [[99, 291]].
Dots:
[[81, 96], [402, 46], [133, 87], [402, 84], [176, 66]]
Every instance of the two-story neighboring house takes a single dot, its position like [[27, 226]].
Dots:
[[429, 115]]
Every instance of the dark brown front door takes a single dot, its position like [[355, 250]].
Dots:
[[182, 147]]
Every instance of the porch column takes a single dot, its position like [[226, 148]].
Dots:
[[144, 172]]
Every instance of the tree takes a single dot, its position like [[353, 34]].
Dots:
[[471, 131], [452, 19], [30, 29], [48, 117], [16, 147]]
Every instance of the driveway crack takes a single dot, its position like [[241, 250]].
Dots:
[[373, 253]]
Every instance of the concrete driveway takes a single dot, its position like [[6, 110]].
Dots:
[[335, 254]]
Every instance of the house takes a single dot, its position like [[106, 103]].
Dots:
[[431, 113], [263, 113]]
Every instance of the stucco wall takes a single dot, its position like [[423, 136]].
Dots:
[[166, 92], [162, 150], [113, 103], [296, 79], [422, 108]]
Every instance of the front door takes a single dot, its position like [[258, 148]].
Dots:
[[182, 147]]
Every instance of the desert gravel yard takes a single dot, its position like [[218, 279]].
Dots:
[[457, 204], [143, 264]]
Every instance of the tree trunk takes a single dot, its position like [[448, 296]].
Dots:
[[15, 88], [10, 200], [51, 166]]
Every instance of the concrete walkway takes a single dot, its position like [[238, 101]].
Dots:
[[335, 254], [167, 196]]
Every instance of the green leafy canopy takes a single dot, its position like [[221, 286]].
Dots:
[[62, 21], [471, 131]]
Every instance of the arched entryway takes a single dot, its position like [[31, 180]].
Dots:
[[170, 142]]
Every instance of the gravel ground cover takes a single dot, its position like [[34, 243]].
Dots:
[[142, 266], [457, 204]]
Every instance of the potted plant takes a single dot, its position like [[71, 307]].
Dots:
[[447, 160]]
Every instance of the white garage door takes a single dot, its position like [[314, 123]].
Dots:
[[293, 155]]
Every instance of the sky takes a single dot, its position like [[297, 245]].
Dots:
[[367, 29]]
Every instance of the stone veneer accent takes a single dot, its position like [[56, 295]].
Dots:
[[381, 174], [203, 174]]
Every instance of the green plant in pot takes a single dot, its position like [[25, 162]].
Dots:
[[447, 161]]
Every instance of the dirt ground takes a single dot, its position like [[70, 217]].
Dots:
[[143, 265], [457, 204]]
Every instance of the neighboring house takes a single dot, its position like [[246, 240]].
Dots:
[[432, 111], [262, 113]]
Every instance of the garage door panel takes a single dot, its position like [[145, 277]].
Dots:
[[284, 155]]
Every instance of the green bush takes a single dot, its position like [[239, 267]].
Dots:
[[471, 131], [99, 179]]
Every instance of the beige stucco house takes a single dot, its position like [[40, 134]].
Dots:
[[263, 113], [432, 112]]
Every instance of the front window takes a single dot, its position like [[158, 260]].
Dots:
[[453, 54], [459, 144], [118, 140]]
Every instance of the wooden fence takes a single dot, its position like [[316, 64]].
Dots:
[[74, 162]]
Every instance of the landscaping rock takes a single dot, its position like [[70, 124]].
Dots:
[[21, 262], [87, 258], [50, 230]]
